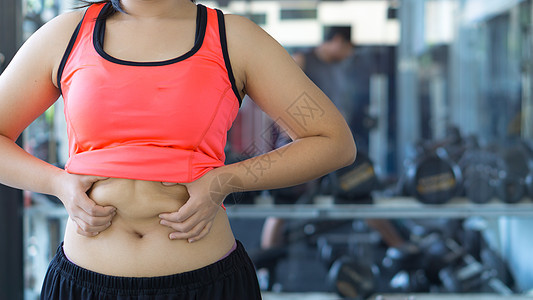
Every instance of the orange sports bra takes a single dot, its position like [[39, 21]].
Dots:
[[157, 121]]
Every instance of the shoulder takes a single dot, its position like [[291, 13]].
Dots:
[[240, 23], [249, 37], [44, 49], [246, 42], [250, 43], [60, 27], [52, 38]]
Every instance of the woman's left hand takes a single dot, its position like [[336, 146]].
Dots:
[[194, 219]]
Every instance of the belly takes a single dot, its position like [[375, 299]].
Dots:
[[136, 245]]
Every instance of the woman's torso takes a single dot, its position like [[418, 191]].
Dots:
[[136, 244]]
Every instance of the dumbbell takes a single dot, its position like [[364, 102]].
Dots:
[[512, 189], [492, 174], [354, 183], [436, 256], [352, 278], [501, 271], [466, 278], [482, 183], [529, 184], [518, 160], [481, 171], [468, 275], [433, 178], [330, 249], [402, 270]]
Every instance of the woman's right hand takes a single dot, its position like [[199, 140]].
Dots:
[[90, 218]]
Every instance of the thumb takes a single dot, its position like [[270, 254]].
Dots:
[[185, 212], [96, 178], [88, 180]]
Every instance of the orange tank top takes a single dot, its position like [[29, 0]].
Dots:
[[157, 121]]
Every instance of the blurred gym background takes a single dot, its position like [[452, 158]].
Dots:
[[438, 205]]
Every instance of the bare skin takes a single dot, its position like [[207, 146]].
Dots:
[[140, 228]]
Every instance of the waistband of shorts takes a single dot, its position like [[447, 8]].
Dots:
[[198, 278]]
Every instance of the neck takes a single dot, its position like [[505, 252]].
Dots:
[[156, 8]]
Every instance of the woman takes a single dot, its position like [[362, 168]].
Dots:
[[150, 89]]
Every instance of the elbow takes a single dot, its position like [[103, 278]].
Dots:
[[351, 152], [347, 151]]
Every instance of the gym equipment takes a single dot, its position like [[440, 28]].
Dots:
[[446, 266], [484, 173], [290, 195], [513, 189], [332, 246], [354, 183], [433, 178], [528, 182], [440, 256], [352, 278], [500, 270], [496, 173], [402, 270], [517, 159], [470, 275]]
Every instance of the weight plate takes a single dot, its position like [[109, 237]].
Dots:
[[357, 180], [435, 180], [352, 278]]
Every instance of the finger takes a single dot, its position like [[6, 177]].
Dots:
[[89, 230], [170, 217], [184, 213], [202, 234], [93, 209], [92, 220], [87, 234], [88, 181], [186, 226], [195, 231], [95, 178]]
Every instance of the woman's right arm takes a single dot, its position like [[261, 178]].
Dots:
[[27, 89]]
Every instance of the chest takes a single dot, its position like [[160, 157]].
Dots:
[[148, 42], [168, 105]]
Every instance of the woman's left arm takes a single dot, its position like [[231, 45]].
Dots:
[[321, 140]]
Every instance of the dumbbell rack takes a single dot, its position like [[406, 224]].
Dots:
[[383, 207], [392, 208]]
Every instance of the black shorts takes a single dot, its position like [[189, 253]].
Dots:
[[232, 278]]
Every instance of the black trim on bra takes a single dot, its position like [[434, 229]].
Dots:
[[66, 55], [225, 53], [99, 33]]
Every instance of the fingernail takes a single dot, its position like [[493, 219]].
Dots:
[[171, 237], [190, 240]]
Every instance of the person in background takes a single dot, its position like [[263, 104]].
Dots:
[[327, 65]]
